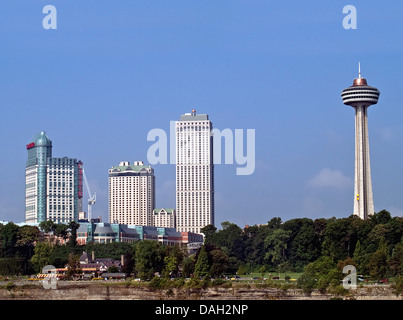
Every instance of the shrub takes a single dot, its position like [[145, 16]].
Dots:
[[398, 287], [193, 283], [10, 285], [178, 282], [158, 283], [218, 281], [227, 284]]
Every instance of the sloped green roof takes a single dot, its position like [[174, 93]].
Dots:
[[130, 167], [168, 210]]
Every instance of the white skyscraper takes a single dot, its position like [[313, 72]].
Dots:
[[360, 96], [194, 172], [131, 194]]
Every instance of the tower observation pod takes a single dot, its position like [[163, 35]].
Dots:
[[360, 96]]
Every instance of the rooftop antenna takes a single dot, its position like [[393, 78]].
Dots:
[[359, 71]]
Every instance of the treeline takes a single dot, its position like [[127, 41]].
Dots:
[[18, 244], [374, 246], [24, 252]]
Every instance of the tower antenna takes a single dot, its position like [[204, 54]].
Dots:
[[359, 70]]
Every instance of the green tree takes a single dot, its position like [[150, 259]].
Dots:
[[255, 245], [319, 226], [72, 228], [263, 270], [274, 223], [149, 258], [8, 239], [381, 217], [73, 266], [338, 238], [128, 259], [47, 226], [276, 245], [173, 260], [60, 254], [360, 258], [61, 230], [27, 236], [171, 266], [319, 274], [303, 245], [42, 256], [243, 269], [378, 264], [112, 250], [219, 263], [398, 286], [396, 261], [202, 266], [231, 240], [188, 267], [209, 232]]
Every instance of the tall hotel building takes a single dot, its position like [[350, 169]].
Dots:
[[194, 172], [131, 194], [53, 186]]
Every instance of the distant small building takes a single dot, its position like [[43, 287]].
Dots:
[[98, 265], [165, 218], [193, 241]]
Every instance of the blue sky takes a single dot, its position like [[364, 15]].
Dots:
[[114, 70]]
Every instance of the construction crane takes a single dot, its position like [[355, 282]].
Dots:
[[91, 198]]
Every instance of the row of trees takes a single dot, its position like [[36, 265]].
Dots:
[[18, 244], [374, 246]]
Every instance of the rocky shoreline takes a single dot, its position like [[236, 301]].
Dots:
[[120, 291]]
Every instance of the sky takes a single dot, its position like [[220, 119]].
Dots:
[[114, 70]]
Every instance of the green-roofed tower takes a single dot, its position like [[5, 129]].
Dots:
[[51, 184]]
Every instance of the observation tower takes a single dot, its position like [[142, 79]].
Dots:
[[360, 96]]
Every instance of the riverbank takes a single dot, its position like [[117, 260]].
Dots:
[[66, 290]]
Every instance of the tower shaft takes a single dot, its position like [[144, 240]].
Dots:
[[363, 197], [360, 96]]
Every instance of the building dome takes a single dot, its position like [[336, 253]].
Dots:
[[103, 230], [41, 140]]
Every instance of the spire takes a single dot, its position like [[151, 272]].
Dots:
[[360, 81]]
